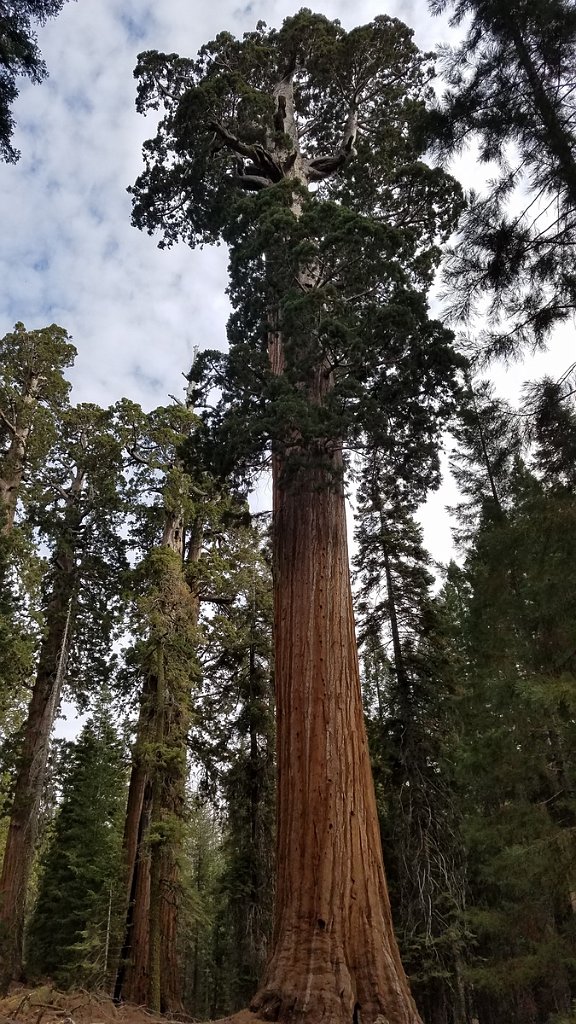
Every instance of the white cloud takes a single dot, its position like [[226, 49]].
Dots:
[[68, 252]]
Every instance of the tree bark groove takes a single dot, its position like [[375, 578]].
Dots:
[[23, 827], [334, 955]]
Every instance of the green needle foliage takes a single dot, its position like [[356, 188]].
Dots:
[[75, 503], [511, 90], [33, 395], [512, 609], [74, 931], [19, 56], [237, 749], [409, 684], [300, 148], [366, 239]]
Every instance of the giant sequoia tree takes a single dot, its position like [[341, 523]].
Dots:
[[32, 390], [297, 147]]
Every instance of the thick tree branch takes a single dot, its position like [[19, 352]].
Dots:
[[7, 422], [134, 454], [232, 142], [321, 167], [263, 170], [250, 182]]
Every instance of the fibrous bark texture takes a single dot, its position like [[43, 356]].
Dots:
[[22, 832], [334, 955]]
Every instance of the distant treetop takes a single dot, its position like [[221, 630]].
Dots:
[[19, 55]]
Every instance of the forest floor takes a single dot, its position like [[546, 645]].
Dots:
[[44, 1004]]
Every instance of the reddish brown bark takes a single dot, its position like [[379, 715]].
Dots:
[[22, 832], [134, 825], [134, 805], [31, 771], [134, 978], [334, 956]]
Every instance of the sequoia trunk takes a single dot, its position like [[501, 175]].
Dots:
[[334, 955]]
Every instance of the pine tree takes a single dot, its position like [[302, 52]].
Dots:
[[489, 445], [511, 89], [551, 423], [330, 336], [205, 933], [73, 933]]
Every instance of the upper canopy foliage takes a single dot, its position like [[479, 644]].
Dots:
[[19, 55], [300, 147], [512, 91], [224, 105]]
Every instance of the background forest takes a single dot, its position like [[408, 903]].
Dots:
[[135, 566]]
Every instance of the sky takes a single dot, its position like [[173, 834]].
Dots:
[[68, 253]]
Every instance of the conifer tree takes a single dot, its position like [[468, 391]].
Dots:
[[408, 692], [233, 742], [489, 445], [330, 337], [513, 611], [33, 391], [511, 89], [166, 620], [78, 508], [73, 934], [551, 427], [19, 55], [205, 964]]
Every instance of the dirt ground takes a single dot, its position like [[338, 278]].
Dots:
[[46, 1005]]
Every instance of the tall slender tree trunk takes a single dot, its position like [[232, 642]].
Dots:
[[558, 137], [132, 978], [14, 462], [149, 972], [168, 811], [334, 955], [136, 865], [22, 832], [158, 842], [31, 770]]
